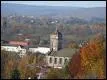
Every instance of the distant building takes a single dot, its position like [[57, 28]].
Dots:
[[58, 57], [18, 43], [56, 41], [27, 40], [42, 50], [17, 49]]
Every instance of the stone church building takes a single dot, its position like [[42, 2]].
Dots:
[[56, 41], [58, 57]]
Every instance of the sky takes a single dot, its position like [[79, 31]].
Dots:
[[62, 3]]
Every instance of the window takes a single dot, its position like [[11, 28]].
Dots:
[[65, 60], [55, 61], [50, 61], [60, 60]]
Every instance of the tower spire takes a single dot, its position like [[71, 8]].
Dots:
[[56, 28]]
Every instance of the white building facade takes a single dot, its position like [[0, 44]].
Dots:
[[17, 49], [42, 50]]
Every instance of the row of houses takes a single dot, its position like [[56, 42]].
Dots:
[[22, 48]]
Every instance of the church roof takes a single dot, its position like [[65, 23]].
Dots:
[[66, 52], [10, 45]]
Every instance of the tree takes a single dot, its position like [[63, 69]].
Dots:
[[92, 56], [90, 59], [58, 73], [53, 74], [75, 67], [27, 66], [9, 62], [15, 74], [72, 44], [4, 60]]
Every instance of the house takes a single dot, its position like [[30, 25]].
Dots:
[[17, 49], [42, 50]]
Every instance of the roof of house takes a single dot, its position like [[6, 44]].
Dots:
[[23, 43], [10, 45], [66, 52]]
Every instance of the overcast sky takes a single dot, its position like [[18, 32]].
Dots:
[[62, 3]]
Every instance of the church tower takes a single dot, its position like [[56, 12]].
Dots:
[[56, 40]]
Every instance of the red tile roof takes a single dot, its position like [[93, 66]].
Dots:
[[18, 43]]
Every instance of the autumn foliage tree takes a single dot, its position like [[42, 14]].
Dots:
[[26, 66], [4, 60], [58, 73], [75, 67], [14, 67], [8, 63], [90, 60]]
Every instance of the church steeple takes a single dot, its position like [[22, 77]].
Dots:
[[56, 40], [56, 28]]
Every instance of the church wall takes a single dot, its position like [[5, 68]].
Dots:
[[55, 42], [57, 64], [48, 60]]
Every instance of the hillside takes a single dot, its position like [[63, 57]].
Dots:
[[75, 23], [28, 10]]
